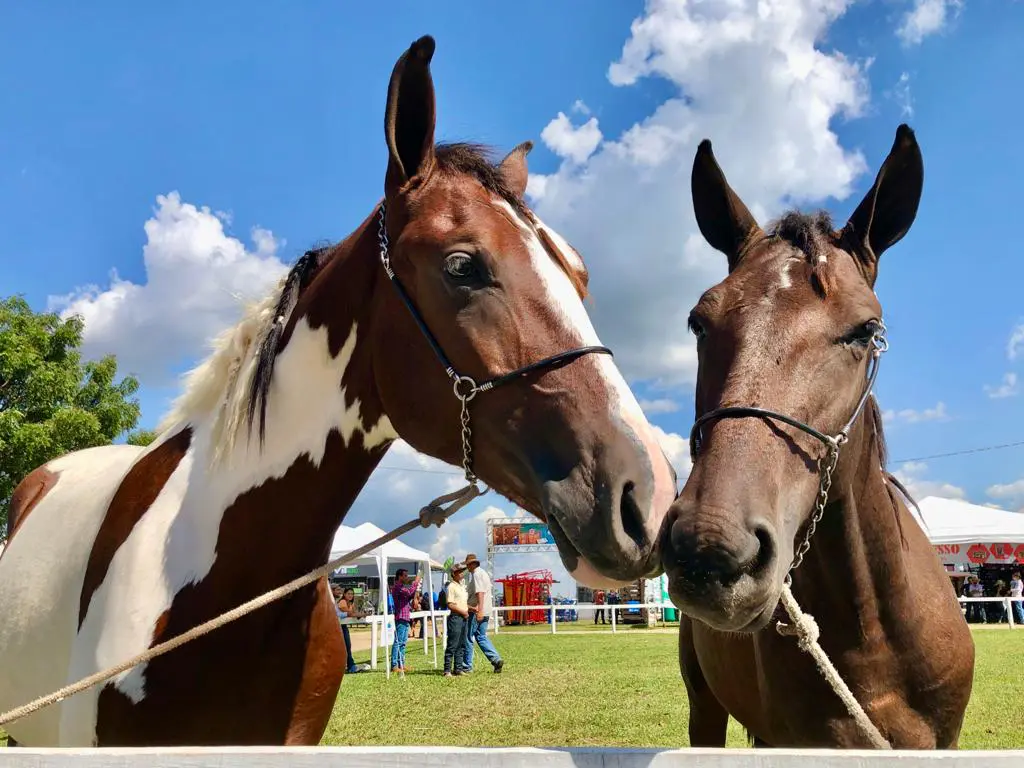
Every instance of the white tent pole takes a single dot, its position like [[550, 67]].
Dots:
[[433, 619], [423, 583], [382, 567]]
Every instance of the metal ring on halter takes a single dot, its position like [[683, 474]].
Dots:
[[473, 388]]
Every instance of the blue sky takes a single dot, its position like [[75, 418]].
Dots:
[[275, 120]]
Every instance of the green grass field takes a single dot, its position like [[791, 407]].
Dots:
[[589, 689], [601, 690]]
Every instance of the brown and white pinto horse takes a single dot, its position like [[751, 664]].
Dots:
[[793, 328], [117, 548]]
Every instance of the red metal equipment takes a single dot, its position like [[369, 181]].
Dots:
[[527, 588]]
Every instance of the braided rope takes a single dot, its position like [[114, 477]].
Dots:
[[432, 514], [806, 630]]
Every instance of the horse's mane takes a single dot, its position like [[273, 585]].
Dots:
[[221, 386], [232, 384]]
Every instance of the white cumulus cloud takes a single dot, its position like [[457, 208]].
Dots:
[[925, 18], [1012, 493], [197, 277], [1007, 388], [659, 405], [751, 77], [575, 143], [912, 416], [1016, 343], [913, 474]]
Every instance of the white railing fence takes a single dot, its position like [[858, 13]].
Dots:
[[509, 757], [1007, 604], [614, 616]]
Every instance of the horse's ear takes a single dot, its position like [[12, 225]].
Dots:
[[724, 220], [410, 117], [514, 170], [889, 208]]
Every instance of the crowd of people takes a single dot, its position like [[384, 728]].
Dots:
[[992, 612], [467, 597]]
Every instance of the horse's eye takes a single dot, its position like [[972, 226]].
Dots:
[[459, 266], [862, 335], [696, 327]]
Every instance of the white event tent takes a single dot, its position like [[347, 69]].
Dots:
[[347, 539], [956, 527]]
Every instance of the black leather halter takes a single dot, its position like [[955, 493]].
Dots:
[[826, 464], [465, 387], [879, 344]]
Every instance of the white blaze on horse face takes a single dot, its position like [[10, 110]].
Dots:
[[579, 331], [175, 543], [784, 279]]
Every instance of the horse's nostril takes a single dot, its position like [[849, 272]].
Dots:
[[632, 516], [765, 554], [707, 547]]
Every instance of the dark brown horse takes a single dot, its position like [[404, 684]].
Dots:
[[118, 548], [785, 345]]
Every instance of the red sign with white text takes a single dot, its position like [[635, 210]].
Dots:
[[978, 553]]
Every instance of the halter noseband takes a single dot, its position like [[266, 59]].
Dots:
[[465, 387], [826, 465]]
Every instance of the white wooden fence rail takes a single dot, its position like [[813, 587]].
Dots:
[[513, 757]]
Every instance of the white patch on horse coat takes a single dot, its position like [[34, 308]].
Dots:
[[563, 298], [41, 575], [784, 279], [172, 546]]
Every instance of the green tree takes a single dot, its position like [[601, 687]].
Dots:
[[142, 437], [51, 403]]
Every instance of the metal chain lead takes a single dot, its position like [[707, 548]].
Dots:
[[826, 466], [467, 430], [382, 238]]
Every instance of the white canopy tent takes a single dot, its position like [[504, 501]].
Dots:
[[963, 532], [347, 539]]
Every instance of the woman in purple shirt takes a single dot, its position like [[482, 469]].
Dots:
[[402, 592]]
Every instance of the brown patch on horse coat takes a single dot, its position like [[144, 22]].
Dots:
[[270, 677], [320, 678], [27, 494], [134, 496], [160, 627]]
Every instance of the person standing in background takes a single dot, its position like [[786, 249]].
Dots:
[[1017, 591], [417, 606], [345, 605], [402, 593], [480, 604], [457, 603]]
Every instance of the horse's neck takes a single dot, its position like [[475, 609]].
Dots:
[[856, 569], [325, 431]]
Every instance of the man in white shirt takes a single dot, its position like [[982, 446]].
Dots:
[[480, 604], [1017, 590]]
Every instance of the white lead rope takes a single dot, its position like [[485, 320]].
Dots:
[[806, 630], [432, 514]]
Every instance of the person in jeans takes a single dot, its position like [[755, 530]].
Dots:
[[458, 625], [974, 588], [345, 606], [480, 604], [402, 592], [1017, 591]]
